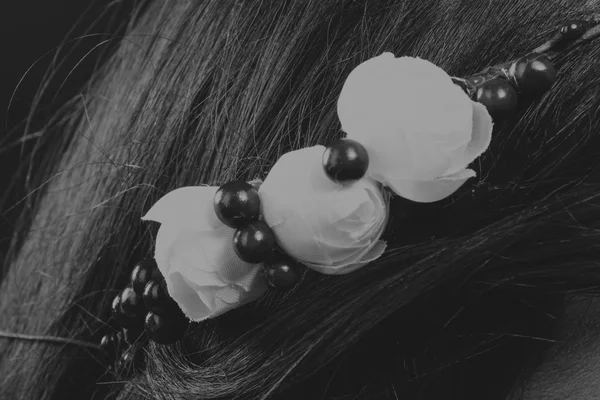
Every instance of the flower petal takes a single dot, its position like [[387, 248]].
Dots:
[[429, 191], [203, 274], [480, 139], [372, 254], [187, 207]]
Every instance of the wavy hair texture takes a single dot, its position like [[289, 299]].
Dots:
[[462, 306]]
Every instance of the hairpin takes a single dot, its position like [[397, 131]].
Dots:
[[325, 208]]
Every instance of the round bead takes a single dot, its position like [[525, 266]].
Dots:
[[118, 314], [132, 304], [157, 298], [112, 343], [109, 344], [573, 29], [498, 95], [165, 330], [143, 272], [107, 341], [476, 80], [282, 273], [237, 203], [132, 359], [254, 242], [345, 160], [533, 74]]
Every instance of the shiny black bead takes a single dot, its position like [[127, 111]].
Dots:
[[132, 304], [282, 272], [166, 330], [476, 80], [132, 358], [112, 343], [254, 242], [237, 203], [345, 160], [573, 29], [157, 298], [533, 73], [498, 95], [118, 315], [109, 344], [143, 272]]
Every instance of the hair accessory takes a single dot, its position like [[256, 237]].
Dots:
[[143, 309], [410, 127]]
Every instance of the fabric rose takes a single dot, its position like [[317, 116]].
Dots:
[[421, 130], [331, 228], [195, 254]]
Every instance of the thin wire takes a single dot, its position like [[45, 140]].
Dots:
[[49, 339]]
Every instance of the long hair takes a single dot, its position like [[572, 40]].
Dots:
[[462, 305]]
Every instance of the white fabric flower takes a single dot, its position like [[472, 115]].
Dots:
[[421, 130], [194, 252], [331, 228]]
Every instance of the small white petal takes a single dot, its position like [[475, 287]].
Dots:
[[480, 139], [428, 191], [187, 207]]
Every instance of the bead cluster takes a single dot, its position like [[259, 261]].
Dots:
[[237, 205], [498, 87], [143, 308]]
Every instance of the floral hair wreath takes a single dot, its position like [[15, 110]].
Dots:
[[323, 208]]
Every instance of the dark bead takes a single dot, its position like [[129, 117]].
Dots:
[[144, 271], [283, 272], [498, 95], [132, 358], [254, 242], [118, 314], [109, 344], [165, 330], [157, 298], [573, 29], [533, 73], [345, 160], [237, 203], [132, 304], [476, 80]]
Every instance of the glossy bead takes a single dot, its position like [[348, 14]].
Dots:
[[345, 160], [573, 29], [476, 80], [132, 359], [282, 272], [157, 298], [109, 344], [118, 314], [533, 73], [165, 330], [498, 95], [237, 203], [132, 304], [254, 242], [144, 271]]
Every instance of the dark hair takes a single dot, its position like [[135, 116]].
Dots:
[[202, 92]]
